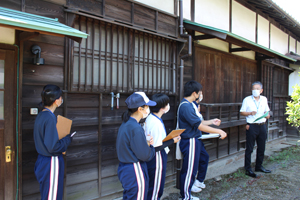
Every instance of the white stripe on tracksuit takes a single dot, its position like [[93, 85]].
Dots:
[[158, 174], [190, 168], [140, 180], [53, 182]]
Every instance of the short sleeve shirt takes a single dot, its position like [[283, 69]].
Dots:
[[250, 104], [189, 120]]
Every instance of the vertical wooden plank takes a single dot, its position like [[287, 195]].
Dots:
[[118, 35], [100, 39], [132, 12], [230, 15], [111, 55], [269, 34], [148, 54], [161, 64], [139, 55], [157, 67], [144, 74], [193, 10], [103, 7], [128, 61], [79, 57], [133, 62], [93, 54], [256, 28], [152, 64], [100, 142], [165, 68], [65, 98], [156, 20], [86, 52], [105, 64], [123, 58]]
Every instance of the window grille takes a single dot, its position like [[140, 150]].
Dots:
[[116, 58]]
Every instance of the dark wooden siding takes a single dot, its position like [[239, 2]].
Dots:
[[91, 161]]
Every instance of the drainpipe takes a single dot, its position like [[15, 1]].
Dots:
[[178, 167], [189, 48]]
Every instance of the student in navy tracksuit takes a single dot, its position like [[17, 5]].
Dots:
[[132, 148], [155, 127], [49, 167], [204, 157], [189, 144]]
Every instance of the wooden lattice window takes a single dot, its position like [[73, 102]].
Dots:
[[116, 58]]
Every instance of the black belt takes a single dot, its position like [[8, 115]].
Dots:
[[257, 123]]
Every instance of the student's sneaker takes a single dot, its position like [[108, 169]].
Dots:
[[199, 184], [196, 189], [192, 198]]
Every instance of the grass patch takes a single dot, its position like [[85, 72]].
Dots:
[[291, 153]]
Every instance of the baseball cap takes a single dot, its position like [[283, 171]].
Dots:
[[138, 99]]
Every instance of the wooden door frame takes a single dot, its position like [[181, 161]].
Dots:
[[19, 153]]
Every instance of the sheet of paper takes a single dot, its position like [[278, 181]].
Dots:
[[266, 114], [63, 126], [209, 136], [173, 134]]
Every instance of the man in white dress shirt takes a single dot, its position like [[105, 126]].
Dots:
[[253, 107]]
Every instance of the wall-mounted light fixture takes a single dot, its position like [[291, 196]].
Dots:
[[35, 49]]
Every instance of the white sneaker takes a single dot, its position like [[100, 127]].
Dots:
[[199, 184], [196, 189]]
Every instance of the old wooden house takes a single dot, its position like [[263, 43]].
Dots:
[[100, 51]]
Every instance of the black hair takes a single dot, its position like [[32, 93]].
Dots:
[[257, 83], [126, 115], [190, 87], [49, 94], [161, 100]]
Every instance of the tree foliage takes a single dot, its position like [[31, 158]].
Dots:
[[293, 107]]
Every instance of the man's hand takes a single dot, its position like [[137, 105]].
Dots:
[[268, 116], [216, 122], [253, 113], [222, 134]]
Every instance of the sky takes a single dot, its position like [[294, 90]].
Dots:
[[290, 6]]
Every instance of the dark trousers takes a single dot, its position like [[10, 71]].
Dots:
[[157, 174], [256, 133], [134, 179], [203, 163], [49, 171], [190, 148]]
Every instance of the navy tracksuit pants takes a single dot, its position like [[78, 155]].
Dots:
[[256, 133], [134, 179], [190, 149], [157, 174], [49, 172], [203, 163]]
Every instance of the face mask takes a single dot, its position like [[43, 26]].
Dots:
[[201, 97], [168, 108], [147, 113], [256, 93]]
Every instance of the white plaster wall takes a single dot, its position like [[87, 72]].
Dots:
[[243, 21], [186, 9], [292, 44], [279, 40], [213, 13], [294, 78], [7, 35], [263, 31], [298, 47], [215, 43], [165, 5]]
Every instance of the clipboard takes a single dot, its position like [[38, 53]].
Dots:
[[63, 126], [173, 134], [266, 114], [209, 136]]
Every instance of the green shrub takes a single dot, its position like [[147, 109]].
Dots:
[[293, 107]]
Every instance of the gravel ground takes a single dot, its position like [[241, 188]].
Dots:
[[282, 184]]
